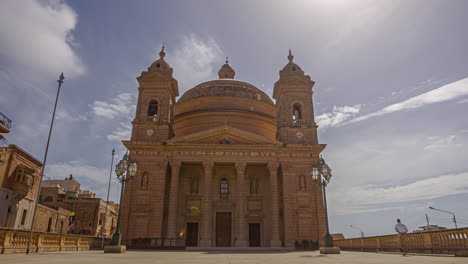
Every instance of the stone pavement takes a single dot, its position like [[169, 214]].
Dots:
[[220, 257]]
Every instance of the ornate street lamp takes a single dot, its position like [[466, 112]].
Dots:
[[321, 174], [124, 169]]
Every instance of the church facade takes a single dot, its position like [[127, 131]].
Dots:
[[223, 166]]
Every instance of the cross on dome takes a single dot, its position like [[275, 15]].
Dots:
[[290, 56], [162, 53]]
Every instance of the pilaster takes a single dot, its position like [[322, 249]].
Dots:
[[172, 216]]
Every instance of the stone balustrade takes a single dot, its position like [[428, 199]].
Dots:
[[452, 241], [16, 241]]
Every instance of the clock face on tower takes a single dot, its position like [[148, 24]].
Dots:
[[149, 132], [300, 135]]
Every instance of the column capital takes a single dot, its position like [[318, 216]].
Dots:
[[176, 163], [273, 165], [208, 164], [240, 167]]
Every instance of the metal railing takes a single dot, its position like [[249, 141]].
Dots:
[[449, 241], [3, 141], [5, 120], [154, 243]]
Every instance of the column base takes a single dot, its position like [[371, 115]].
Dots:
[[115, 249], [205, 243], [329, 250], [275, 243], [289, 243], [242, 243]]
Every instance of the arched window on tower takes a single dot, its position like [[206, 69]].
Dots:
[[297, 114], [153, 111], [224, 188]]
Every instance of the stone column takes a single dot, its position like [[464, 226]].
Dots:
[[207, 204], [241, 204], [172, 215], [275, 237]]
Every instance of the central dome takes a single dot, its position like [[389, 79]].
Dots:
[[225, 102], [226, 87]]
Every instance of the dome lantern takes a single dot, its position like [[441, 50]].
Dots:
[[226, 71]]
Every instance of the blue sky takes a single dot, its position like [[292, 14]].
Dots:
[[391, 93]]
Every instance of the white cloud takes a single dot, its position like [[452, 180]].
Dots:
[[36, 37], [123, 132], [65, 115], [445, 93], [375, 198], [91, 178], [384, 171], [441, 142], [120, 106], [62, 170], [464, 101], [337, 116], [195, 60]]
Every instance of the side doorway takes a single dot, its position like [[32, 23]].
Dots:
[[254, 235], [191, 238]]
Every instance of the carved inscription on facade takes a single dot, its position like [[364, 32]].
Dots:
[[225, 154]]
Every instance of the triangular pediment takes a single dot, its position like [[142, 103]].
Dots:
[[216, 135]]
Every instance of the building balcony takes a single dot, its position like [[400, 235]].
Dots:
[[5, 124], [23, 182], [152, 119], [298, 122], [21, 188]]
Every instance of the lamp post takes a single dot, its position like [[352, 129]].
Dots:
[[321, 174], [41, 175], [103, 231], [123, 169], [454, 219], [360, 230]]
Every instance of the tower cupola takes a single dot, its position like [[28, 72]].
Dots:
[[161, 65]]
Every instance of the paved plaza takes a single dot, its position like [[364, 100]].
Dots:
[[220, 257]]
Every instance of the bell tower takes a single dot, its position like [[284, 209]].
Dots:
[[294, 107], [156, 101]]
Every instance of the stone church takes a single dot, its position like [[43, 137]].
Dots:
[[223, 166]]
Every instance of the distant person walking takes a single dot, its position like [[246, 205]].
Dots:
[[402, 230]]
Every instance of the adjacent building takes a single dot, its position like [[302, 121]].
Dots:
[[89, 215], [224, 165], [19, 184], [55, 220]]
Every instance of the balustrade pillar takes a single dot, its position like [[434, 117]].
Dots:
[[207, 204], [275, 236], [241, 204], [172, 215]]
